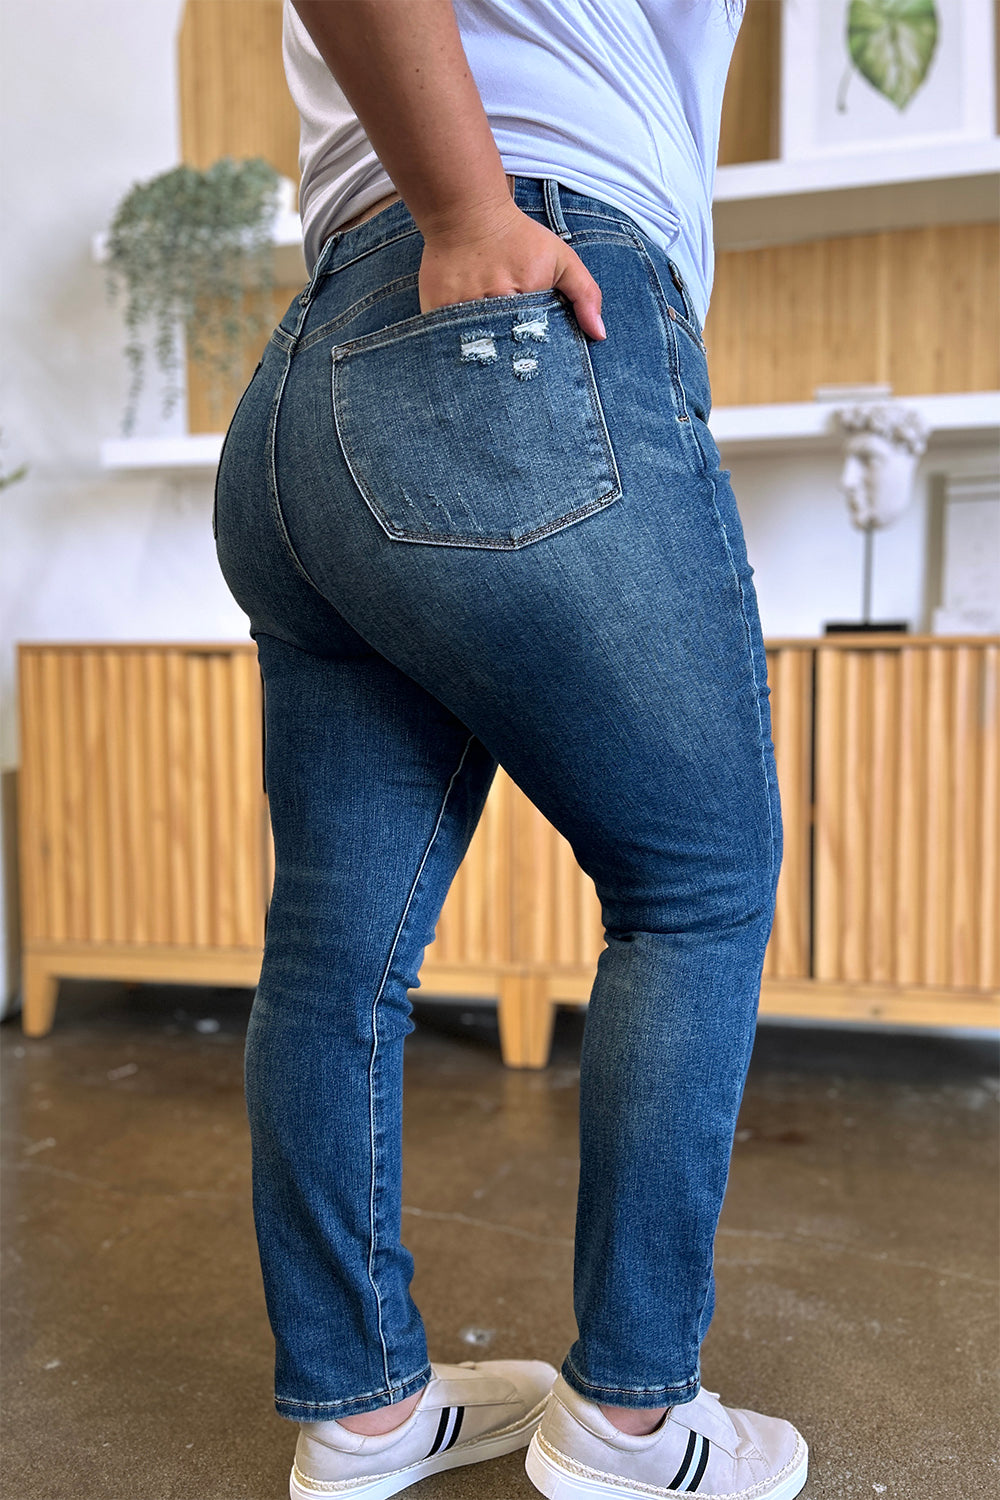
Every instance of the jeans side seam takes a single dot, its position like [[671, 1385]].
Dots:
[[373, 1233], [677, 320], [670, 334], [753, 677]]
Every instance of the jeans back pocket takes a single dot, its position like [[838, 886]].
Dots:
[[478, 424]]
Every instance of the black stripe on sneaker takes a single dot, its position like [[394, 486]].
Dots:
[[458, 1427], [685, 1462], [442, 1429], [698, 1474]]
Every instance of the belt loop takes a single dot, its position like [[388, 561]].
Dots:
[[318, 270], [308, 292], [553, 209]]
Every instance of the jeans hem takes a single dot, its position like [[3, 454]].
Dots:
[[351, 1406], [634, 1396]]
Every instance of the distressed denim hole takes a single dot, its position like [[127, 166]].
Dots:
[[535, 328], [478, 347]]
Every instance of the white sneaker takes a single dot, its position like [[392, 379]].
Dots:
[[467, 1413], [701, 1448]]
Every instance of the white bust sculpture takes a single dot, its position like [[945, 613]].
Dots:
[[882, 451]]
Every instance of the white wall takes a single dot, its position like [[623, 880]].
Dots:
[[90, 105], [806, 556]]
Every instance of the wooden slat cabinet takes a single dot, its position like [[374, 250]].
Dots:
[[145, 850], [142, 820], [888, 904]]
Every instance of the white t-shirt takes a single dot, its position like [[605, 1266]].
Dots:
[[618, 99]]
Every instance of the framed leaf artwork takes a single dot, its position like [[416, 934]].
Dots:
[[877, 75]]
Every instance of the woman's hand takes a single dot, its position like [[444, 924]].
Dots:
[[495, 253]]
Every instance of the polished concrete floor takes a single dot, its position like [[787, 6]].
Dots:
[[857, 1258]]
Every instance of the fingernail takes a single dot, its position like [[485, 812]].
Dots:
[[600, 324]]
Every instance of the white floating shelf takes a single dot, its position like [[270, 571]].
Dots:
[[810, 426], [187, 454], [794, 427], [775, 202]]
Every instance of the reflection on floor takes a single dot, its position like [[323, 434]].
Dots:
[[856, 1258]]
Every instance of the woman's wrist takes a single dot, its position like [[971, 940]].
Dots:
[[474, 215], [403, 69]]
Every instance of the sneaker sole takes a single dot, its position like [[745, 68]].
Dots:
[[556, 1483], [380, 1486]]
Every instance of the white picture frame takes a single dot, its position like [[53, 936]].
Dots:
[[963, 554], [955, 102]]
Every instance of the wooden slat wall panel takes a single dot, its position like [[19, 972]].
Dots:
[[54, 799], [907, 822], [988, 895], [919, 308], [234, 100], [96, 809], [883, 812], [158, 840], [73, 791], [907, 850], [251, 881], [141, 796], [475, 925], [177, 714], [934, 856], [749, 130], [31, 799], [789, 673], [557, 920], [943, 308], [136, 795]]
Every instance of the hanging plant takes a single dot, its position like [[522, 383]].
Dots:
[[191, 250]]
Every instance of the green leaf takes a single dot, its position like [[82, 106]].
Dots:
[[891, 43]]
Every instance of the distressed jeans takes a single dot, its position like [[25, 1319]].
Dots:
[[466, 538]]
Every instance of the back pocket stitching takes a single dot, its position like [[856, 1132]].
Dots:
[[396, 532]]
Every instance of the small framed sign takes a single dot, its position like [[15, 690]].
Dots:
[[877, 75]]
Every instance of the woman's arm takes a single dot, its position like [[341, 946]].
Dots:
[[402, 66]]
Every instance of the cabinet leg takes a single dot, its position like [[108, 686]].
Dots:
[[39, 989], [526, 1015]]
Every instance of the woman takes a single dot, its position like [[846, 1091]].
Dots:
[[472, 526]]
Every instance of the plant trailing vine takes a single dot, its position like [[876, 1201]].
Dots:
[[191, 251]]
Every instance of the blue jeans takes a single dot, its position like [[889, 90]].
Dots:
[[463, 538]]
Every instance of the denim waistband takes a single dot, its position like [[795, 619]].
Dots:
[[539, 195], [531, 194]]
